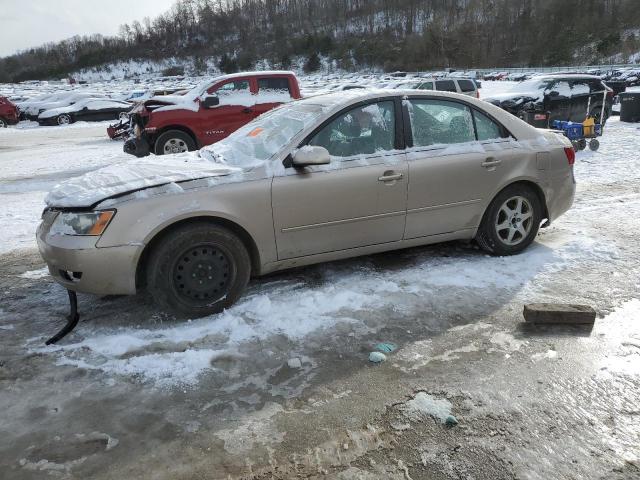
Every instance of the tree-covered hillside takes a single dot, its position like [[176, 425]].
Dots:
[[388, 34]]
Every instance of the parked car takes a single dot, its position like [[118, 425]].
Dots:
[[208, 113], [324, 178], [8, 112], [88, 110], [465, 86], [557, 97], [32, 109]]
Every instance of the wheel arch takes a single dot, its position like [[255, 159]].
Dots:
[[525, 182], [181, 128], [241, 232]]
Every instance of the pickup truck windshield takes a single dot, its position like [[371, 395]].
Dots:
[[259, 140]]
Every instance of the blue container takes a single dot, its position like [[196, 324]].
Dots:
[[572, 130]]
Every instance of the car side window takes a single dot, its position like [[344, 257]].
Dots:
[[363, 130], [580, 87], [561, 86], [426, 86], [486, 128], [274, 84], [230, 88], [446, 86], [466, 85], [436, 122]]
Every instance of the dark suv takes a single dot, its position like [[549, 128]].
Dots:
[[545, 98]]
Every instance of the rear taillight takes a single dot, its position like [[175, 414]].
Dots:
[[571, 155]]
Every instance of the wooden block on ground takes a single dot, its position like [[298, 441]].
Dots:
[[559, 313]]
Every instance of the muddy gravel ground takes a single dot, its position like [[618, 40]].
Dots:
[[280, 385]]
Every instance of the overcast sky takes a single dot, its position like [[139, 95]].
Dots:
[[29, 23]]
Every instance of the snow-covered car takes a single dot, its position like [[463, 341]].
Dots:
[[88, 110], [465, 86], [32, 109], [557, 97], [323, 178]]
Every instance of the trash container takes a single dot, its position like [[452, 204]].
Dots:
[[535, 119], [630, 106]]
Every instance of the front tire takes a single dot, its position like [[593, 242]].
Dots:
[[511, 222], [198, 270], [174, 141], [3, 123]]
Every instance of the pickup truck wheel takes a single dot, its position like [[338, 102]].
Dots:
[[3, 123], [198, 270], [511, 222], [174, 141]]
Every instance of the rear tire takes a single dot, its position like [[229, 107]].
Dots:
[[511, 222], [198, 270], [174, 141], [64, 119]]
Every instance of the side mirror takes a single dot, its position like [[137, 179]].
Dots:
[[554, 93], [85, 109], [310, 155], [210, 102]]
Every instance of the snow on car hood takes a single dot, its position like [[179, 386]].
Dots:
[[131, 175]]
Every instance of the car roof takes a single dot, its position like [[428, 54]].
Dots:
[[336, 101], [569, 76]]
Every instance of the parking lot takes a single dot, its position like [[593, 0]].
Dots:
[[280, 384]]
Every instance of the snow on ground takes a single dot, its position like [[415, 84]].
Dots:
[[32, 160]]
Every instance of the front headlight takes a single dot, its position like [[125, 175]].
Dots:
[[82, 223]]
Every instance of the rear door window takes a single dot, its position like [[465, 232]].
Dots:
[[426, 86], [446, 85], [273, 84], [466, 85], [580, 87], [435, 122], [486, 128]]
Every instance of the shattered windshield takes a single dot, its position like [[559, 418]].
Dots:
[[262, 138]]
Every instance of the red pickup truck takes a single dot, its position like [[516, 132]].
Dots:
[[8, 112], [207, 113]]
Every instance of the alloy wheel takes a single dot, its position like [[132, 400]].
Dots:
[[64, 120], [514, 220]]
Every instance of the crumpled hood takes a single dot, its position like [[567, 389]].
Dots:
[[131, 175]]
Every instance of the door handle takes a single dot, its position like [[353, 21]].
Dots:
[[389, 177], [491, 162], [247, 110]]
